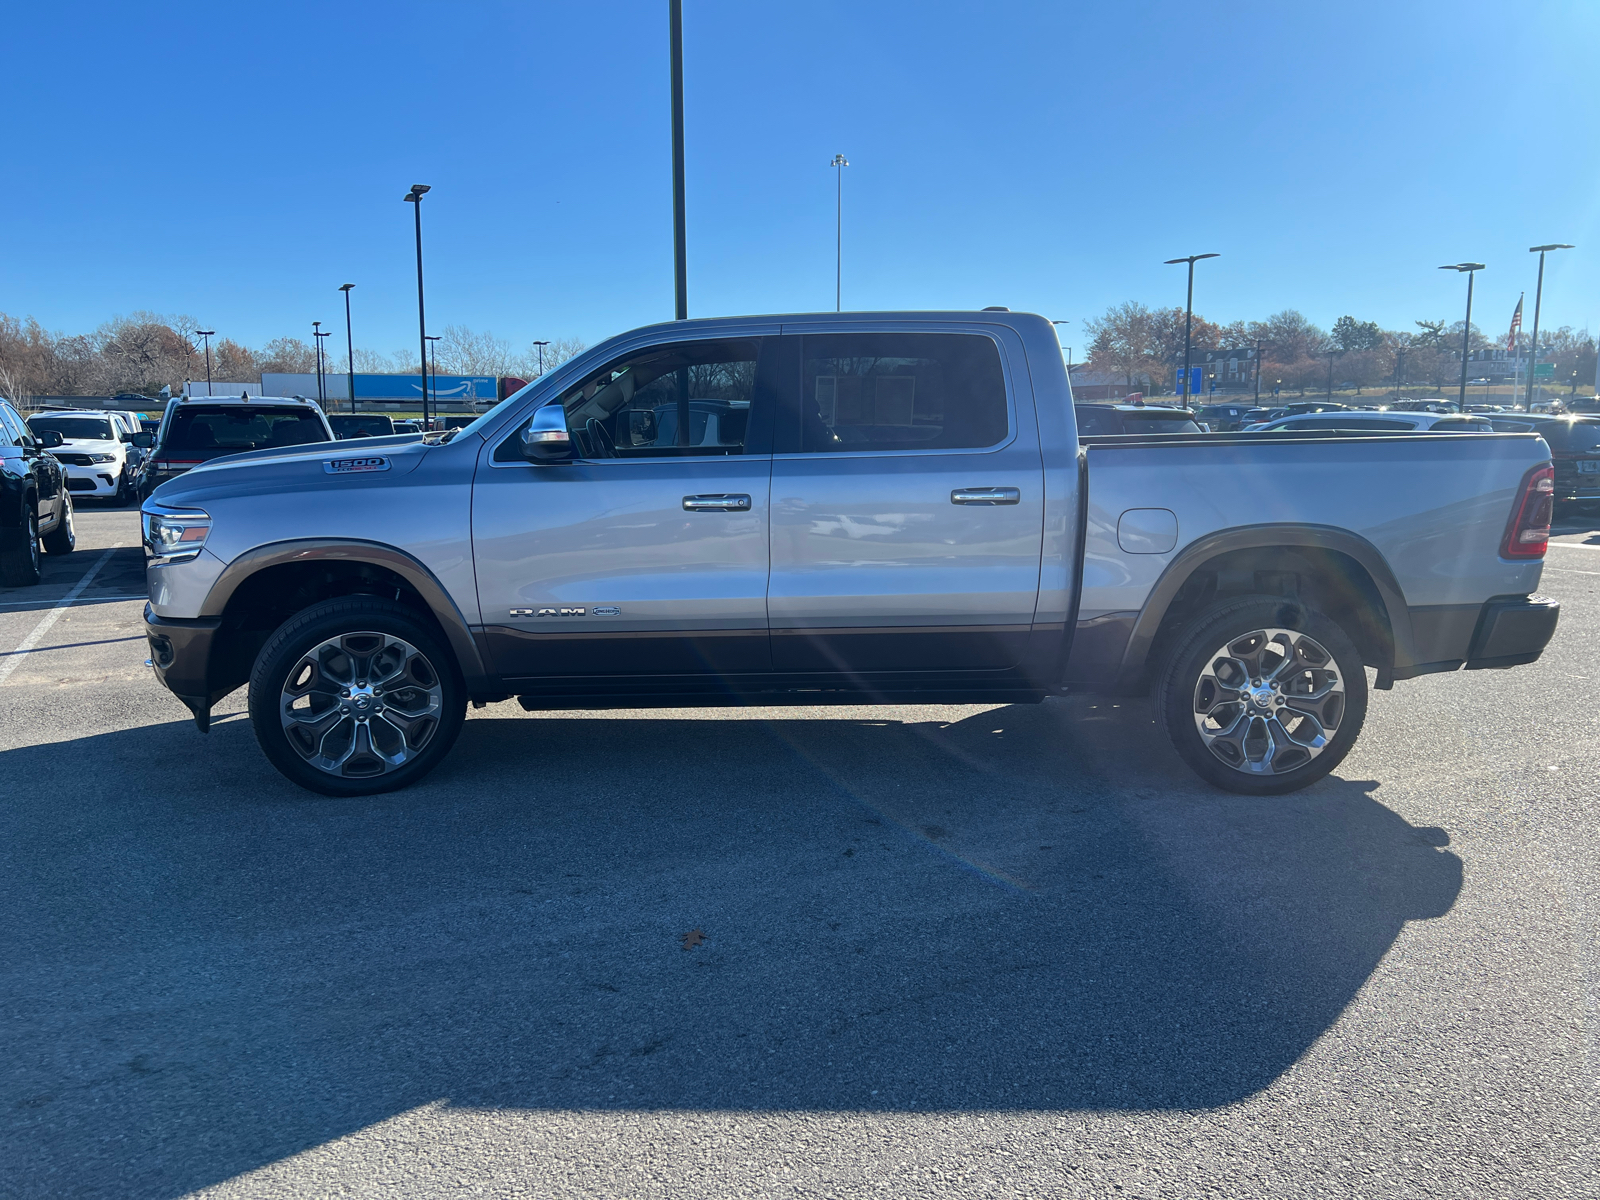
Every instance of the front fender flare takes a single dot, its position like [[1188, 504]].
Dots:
[[378, 554]]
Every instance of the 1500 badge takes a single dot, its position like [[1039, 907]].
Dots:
[[347, 466]]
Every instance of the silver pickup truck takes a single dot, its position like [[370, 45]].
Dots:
[[823, 509]]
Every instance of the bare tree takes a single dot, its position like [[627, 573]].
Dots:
[[1124, 341]]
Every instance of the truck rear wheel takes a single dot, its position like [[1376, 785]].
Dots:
[[1263, 695], [356, 696]]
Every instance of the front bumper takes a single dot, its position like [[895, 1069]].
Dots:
[[100, 479], [1512, 630], [180, 655]]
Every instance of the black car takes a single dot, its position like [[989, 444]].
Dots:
[[35, 505], [1225, 418], [1097, 419], [1574, 448]]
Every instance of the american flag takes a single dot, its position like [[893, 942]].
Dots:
[[1516, 325]]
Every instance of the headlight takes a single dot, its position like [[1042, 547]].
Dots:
[[175, 535], [102, 458]]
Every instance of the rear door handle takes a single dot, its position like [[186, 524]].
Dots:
[[716, 503], [986, 496]]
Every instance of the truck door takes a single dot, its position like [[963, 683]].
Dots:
[[647, 555], [907, 506]]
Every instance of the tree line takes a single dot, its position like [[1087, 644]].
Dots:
[[1144, 346], [143, 352]]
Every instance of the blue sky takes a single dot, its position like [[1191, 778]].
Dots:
[[239, 162]]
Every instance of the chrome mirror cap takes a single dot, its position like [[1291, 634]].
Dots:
[[545, 438]]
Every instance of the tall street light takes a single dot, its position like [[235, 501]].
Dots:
[[838, 165], [1470, 268], [1258, 372], [322, 364], [433, 351], [1332, 354], [316, 345], [680, 251], [1533, 351], [208, 334], [1188, 315], [349, 344], [414, 196], [541, 346]]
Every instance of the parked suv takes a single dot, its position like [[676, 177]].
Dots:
[[1574, 443], [1096, 419], [93, 451], [35, 505], [362, 425], [198, 429]]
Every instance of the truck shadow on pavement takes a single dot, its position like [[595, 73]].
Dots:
[[1027, 908]]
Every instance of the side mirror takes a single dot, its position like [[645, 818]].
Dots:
[[144, 441], [642, 429], [49, 439], [546, 438]]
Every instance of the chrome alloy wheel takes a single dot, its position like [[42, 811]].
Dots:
[[1269, 702], [361, 704]]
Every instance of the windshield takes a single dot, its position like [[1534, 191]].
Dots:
[[80, 429], [233, 429]]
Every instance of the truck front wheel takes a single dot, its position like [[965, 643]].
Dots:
[[1263, 695], [355, 696]]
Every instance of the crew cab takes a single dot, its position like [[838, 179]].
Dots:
[[858, 508]]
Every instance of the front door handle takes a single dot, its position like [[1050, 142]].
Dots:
[[986, 496], [716, 503]]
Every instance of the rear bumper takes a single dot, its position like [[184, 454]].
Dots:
[[1512, 630], [180, 654]]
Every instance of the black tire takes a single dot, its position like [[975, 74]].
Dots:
[[64, 537], [431, 674], [1184, 688], [125, 493], [19, 553]]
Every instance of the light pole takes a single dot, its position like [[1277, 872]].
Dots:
[[207, 334], [1188, 315], [680, 250], [316, 345], [349, 344], [1470, 269], [414, 196], [1538, 292], [839, 163], [1332, 354], [1399, 365], [1068, 349], [541, 346], [322, 365], [433, 352]]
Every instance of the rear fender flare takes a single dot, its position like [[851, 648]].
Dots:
[[378, 554], [1249, 537]]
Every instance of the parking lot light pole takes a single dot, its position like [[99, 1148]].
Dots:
[[541, 346], [1538, 292], [316, 346], [322, 365], [680, 251], [838, 164], [1188, 316], [1470, 269], [207, 334], [433, 353], [414, 196], [349, 344]]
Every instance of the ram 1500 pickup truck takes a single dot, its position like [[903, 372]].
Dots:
[[815, 509]]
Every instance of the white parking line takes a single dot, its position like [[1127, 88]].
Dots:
[[79, 600], [51, 617], [1577, 545]]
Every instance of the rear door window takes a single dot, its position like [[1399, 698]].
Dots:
[[901, 391], [1092, 421]]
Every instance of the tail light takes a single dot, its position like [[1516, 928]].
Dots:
[[176, 464], [1528, 532]]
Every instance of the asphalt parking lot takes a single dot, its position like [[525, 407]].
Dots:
[[947, 951]]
